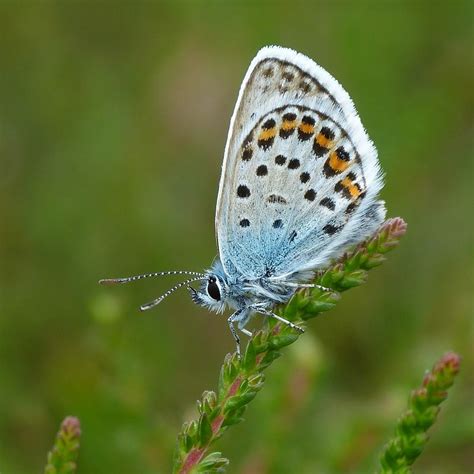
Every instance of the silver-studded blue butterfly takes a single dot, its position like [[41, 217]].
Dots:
[[299, 184]]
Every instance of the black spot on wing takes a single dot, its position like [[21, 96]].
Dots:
[[243, 191], [323, 141], [280, 160], [267, 135], [276, 199], [306, 128], [248, 139], [244, 223], [342, 154], [305, 177], [319, 150], [266, 144], [328, 202], [268, 72], [247, 154], [351, 207], [285, 133], [331, 229], [304, 86], [336, 163], [289, 116], [310, 194], [270, 123], [327, 132], [278, 224], [288, 125], [294, 164], [352, 176]]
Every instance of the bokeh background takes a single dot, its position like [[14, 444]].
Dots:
[[113, 120]]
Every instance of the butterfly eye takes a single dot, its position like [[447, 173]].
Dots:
[[213, 289]]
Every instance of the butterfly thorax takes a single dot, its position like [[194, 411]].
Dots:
[[220, 290]]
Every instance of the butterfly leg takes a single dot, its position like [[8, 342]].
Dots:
[[231, 321], [300, 285], [283, 320], [308, 285]]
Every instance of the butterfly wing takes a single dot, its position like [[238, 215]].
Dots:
[[300, 176]]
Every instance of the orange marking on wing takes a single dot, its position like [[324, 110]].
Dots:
[[267, 134], [353, 188], [337, 164], [324, 141], [306, 128], [288, 125]]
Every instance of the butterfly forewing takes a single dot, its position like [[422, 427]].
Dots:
[[299, 171]]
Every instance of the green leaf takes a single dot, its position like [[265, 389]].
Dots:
[[353, 279], [208, 403], [213, 463], [321, 304], [256, 381], [260, 341], [283, 340], [205, 430], [250, 357], [269, 357], [238, 401]]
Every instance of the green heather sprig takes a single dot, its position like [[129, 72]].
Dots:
[[423, 408], [241, 379], [62, 459]]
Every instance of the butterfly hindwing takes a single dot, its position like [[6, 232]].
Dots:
[[300, 176]]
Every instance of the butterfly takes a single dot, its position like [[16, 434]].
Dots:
[[299, 185]]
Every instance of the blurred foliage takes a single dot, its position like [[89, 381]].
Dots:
[[113, 120]]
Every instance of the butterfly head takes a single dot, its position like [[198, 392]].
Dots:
[[212, 294], [214, 291]]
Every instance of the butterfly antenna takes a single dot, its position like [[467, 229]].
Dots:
[[115, 281], [153, 303]]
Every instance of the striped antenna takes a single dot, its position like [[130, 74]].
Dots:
[[115, 281], [153, 303]]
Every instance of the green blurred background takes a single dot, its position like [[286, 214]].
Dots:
[[113, 120]]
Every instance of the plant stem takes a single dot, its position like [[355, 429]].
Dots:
[[423, 408], [241, 379], [62, 459]]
